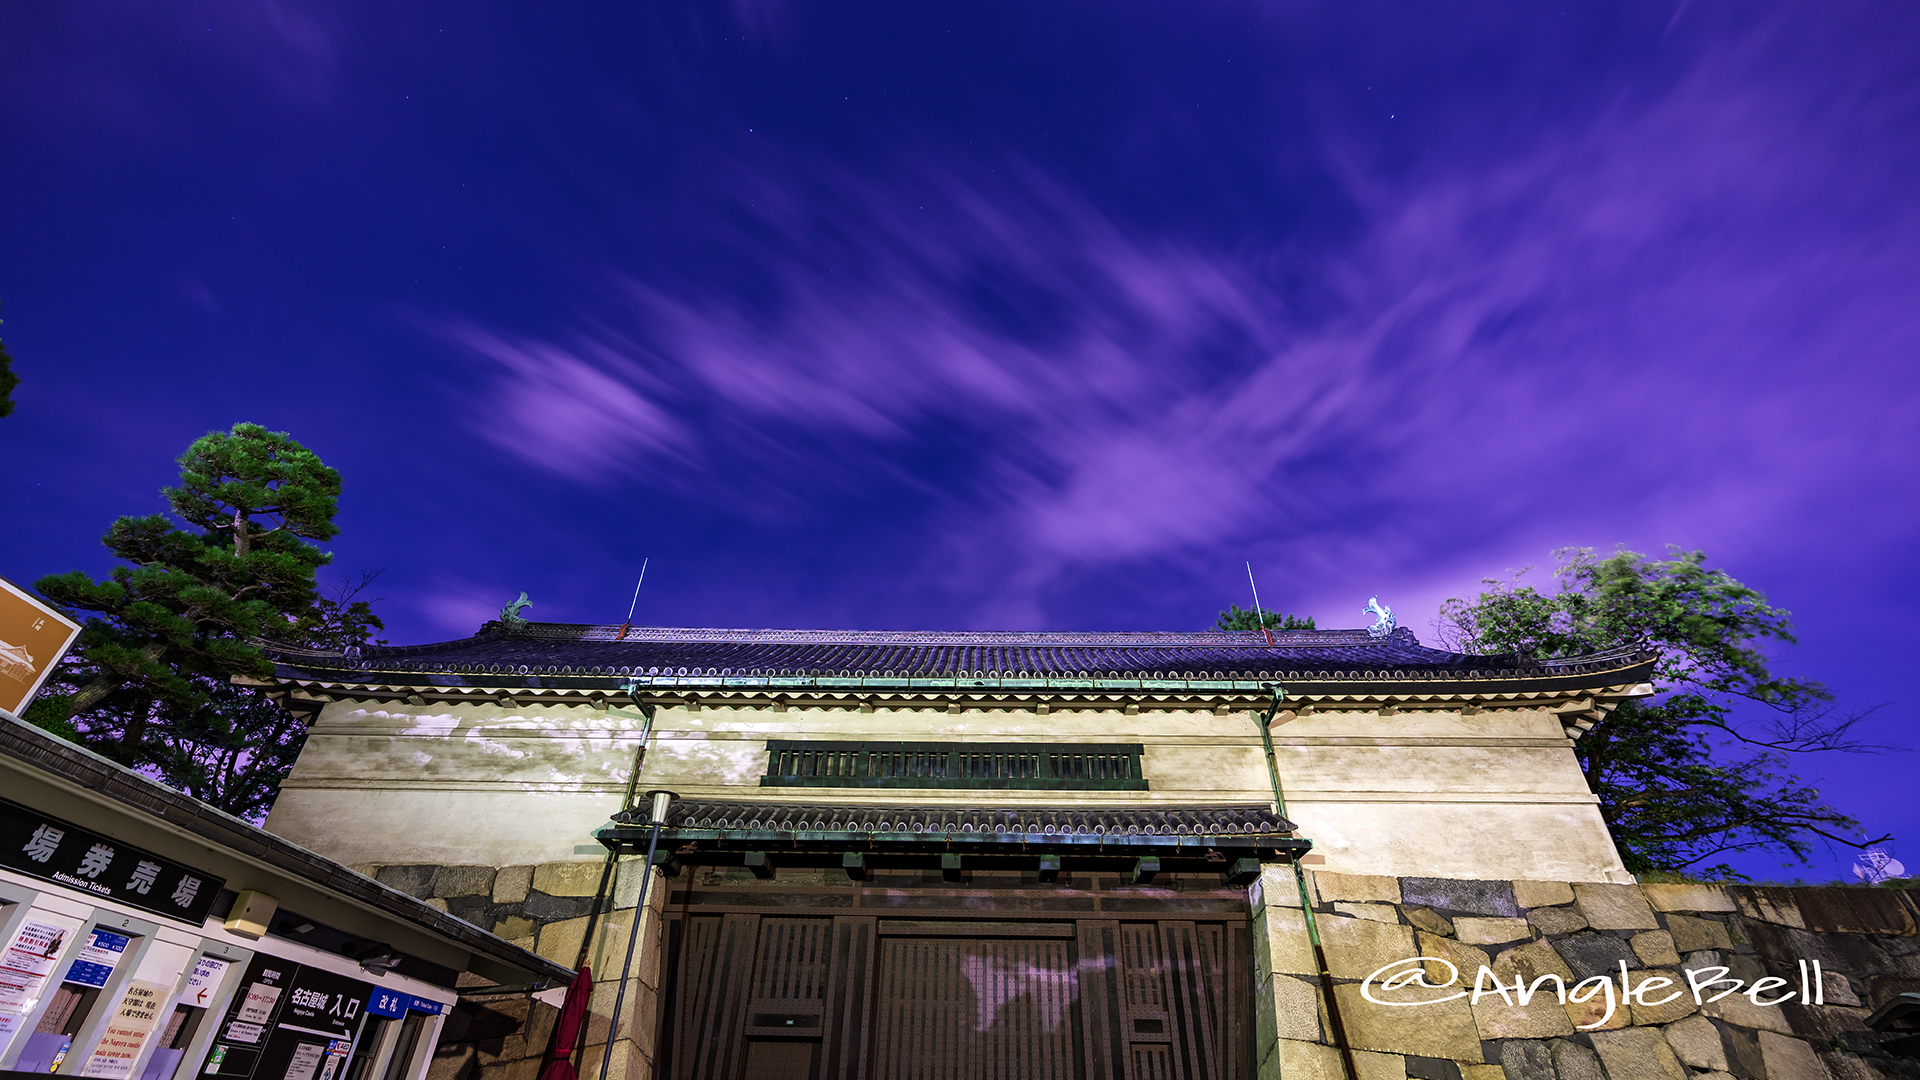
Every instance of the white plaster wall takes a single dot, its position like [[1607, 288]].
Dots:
[[1493, 795]]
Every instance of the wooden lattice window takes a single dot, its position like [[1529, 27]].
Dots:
[[1032, 766]]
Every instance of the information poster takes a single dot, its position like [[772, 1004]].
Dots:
[[287, 1022], [127, 1031], [204, 982], [25, 968], [97, 959]]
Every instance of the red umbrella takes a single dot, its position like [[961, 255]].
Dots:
[[558, 1064]]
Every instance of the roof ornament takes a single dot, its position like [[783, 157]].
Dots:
[[1383, 616], [510, 615], [1877, 865]]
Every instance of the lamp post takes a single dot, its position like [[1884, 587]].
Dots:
[[661, 800]]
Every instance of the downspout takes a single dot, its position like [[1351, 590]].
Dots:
[[1306, 904], [626, 803]]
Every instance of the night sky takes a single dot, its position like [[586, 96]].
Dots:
[[992, 316]]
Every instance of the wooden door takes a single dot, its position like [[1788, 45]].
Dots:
[[847, 997]]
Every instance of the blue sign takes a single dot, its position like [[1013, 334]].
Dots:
[[420, 1004], [388, 1003], [97, 959]]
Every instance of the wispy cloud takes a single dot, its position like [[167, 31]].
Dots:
[[1659, 318]]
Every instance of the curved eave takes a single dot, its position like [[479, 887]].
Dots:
[[1412, 683]]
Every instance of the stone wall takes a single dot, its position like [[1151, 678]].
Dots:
[[1867, 943], [1863, 939], [547, 909]]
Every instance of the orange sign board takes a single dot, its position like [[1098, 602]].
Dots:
[[33, 638]]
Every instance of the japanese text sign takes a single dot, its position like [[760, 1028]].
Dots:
[[48, 848]]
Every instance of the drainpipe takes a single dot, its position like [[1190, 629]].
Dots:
[[626, 803], [1306, 903]]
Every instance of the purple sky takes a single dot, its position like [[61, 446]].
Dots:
[[1016, 316]]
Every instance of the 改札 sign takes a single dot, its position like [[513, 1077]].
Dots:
[[33, 638]]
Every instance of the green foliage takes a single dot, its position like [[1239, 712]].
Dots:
[[150, 682], [1239, 618], [1686, 775]]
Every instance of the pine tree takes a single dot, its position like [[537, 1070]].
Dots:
[[150, 683]]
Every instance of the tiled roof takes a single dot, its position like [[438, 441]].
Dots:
[[771, 817], [545, 650]]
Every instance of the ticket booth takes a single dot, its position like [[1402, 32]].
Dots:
[[145, 936]]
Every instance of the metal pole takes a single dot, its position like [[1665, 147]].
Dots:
[[1306, 904], [660, 801]]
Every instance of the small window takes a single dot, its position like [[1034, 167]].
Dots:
[[1028, 766]]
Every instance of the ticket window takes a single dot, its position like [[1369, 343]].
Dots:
[[171, 1044], [366, 1049], [407, 1047], [71, 1003]]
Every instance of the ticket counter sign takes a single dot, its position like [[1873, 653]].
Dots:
[[33, 638], [59, 851]]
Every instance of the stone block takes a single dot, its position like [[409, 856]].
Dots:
[[1836, 990], [1476, 931], [539, 1027], [1429, 920], [1294, 1005], [437, 904], [1541, 1017], [367, 869], [1743, 1051], [1280, 944], [1530, 961], [1303, 1061], [1614, 907], [543, 908], [452, 881], [1482, 1072], [1465, 959], [1740, 1009], [1790, 1059], [1525, 1059], [1694, 935], [1696, 1042], [1357, 947], [1358, 887], [1432, 1068], [513, 926], [1444, 1029], [510, 885], [494, 1018], [1372, 1066], [1591, 1015], [1595, 954], [567, 878], [1638, 1054], [1853, 911], [1534, 894], [1768, 904], [1557, 920], [1666, 1002], [412, 879], [1655, 948], [1385, 913], [451, 1062], [560, 941], [1461, 896], [1687, 897], [1572, 1061]]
